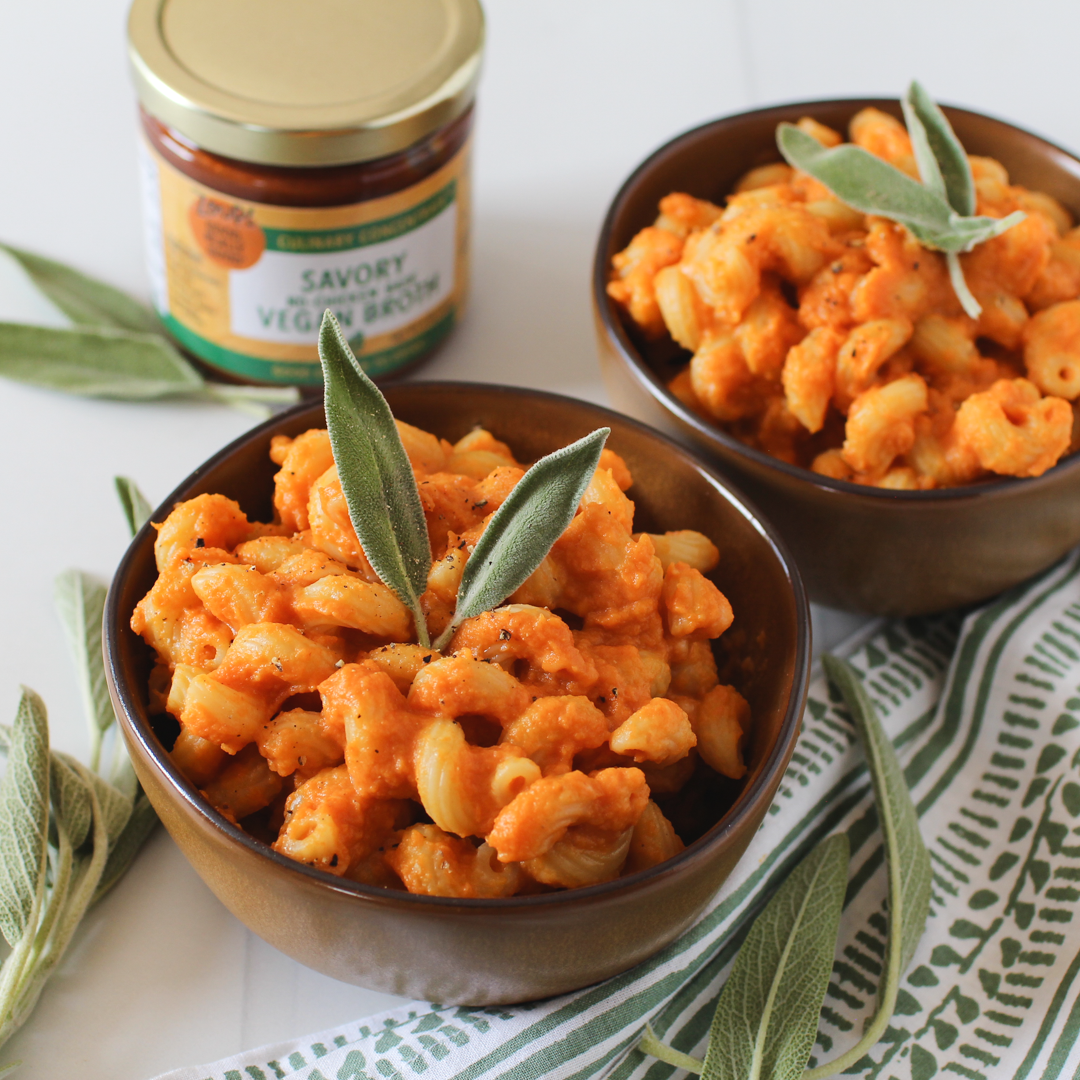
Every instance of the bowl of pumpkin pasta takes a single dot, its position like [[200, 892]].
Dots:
[[914, 457], [543, 802]]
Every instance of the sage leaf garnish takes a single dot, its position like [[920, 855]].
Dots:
[[85, 300], [906, 857], [80, 603], [521, 532], [945, 169], [137, 509], [376, 476], [939, 211], [116, 349], [943, 164]]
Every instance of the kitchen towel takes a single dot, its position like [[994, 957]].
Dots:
[[985, 716]]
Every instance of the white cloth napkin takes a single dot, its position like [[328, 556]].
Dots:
[[987, 727]]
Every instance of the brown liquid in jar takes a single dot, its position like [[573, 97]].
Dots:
[[335, 185]]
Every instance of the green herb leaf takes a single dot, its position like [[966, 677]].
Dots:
[[376, 477], [137, 509], [767, 1016], [80, 603], [124, 365], [873, 186], [24, 820], [85, 300], [127, 844], [115, 807], [906, 856], [521, 532], [943, 164], [865, 182], [71, 799], [95, 362]]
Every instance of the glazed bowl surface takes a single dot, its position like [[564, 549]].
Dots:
[[484, 952], [860, 548]]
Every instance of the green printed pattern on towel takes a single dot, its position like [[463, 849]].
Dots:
[[986, 720]]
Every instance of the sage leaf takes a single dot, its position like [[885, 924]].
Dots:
[[906, 857], [521, 532], [71, 799], [137, 509], [766, 1020], [126, 846], [85, 300], [865, 182], [24, 820], [80, 603], [123, 365], [97, 361], [376, 477], [115, 807], [873, 186], [938, 152]]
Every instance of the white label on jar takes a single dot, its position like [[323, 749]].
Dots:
[[374, 289]]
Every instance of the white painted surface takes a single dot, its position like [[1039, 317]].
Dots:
[[574, 94]]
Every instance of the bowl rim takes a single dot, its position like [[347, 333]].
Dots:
[[709, 432], [746, 805]]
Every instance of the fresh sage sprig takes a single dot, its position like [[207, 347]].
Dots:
[[376, 477], [384, 501], [939, 211], [66, 833], [115, 349], [522, 531], [767, 1016]]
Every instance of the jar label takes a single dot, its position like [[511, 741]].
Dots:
[[243, 285]]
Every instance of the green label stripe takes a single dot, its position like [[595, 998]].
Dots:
[[321, 241], [304, 372]]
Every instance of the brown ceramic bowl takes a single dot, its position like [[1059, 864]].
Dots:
[[485, 952], [860, 548]]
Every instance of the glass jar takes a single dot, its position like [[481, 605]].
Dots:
[[298, 157]]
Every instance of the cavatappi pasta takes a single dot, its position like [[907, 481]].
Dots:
[[835, 341], [536, 752]]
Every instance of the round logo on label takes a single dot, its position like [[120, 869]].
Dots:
[[226, 233]]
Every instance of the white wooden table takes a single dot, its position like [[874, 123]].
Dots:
[[574, 94]]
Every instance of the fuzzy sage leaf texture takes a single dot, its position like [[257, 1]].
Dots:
[[906, 857], [943, 164], [85, 300], [872, 186], [376, 476], [135, 505], [521, 532], [80, 603], [24, 818], [766, 1020], [115, 349]]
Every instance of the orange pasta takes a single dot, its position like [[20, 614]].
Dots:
[[835, 341], [539, 751]]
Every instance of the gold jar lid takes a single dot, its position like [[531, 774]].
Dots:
[[305, 82]]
